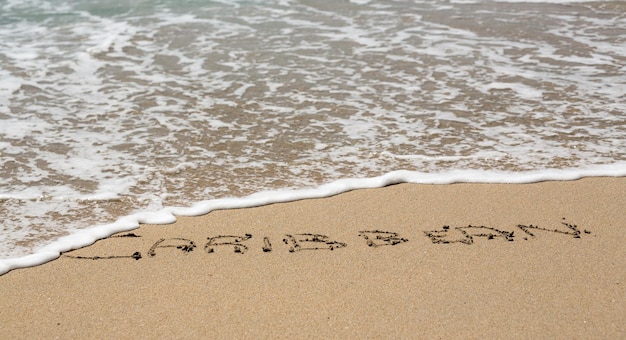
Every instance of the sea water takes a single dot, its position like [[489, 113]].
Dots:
[[118, 112]]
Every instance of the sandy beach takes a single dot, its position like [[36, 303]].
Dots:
[[543, 260]]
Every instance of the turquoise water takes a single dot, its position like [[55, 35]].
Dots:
[[117, 107]]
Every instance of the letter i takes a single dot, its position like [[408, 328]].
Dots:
[[267, 246]]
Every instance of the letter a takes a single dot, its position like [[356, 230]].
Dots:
[[183, 244]]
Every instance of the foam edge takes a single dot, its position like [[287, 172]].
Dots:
[[168, 215]]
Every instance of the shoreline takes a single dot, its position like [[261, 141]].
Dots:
[[456, 260], [86, 237]]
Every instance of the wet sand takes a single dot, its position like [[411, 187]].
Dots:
[[417, 261]]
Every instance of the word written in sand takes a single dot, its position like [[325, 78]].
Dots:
[[373, 238]]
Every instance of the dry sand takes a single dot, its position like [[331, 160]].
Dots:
[[411, 261]]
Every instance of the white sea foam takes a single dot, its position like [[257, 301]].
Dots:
[[131, 107], [168, 215]]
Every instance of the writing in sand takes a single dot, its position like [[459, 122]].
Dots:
[[308, 241]]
